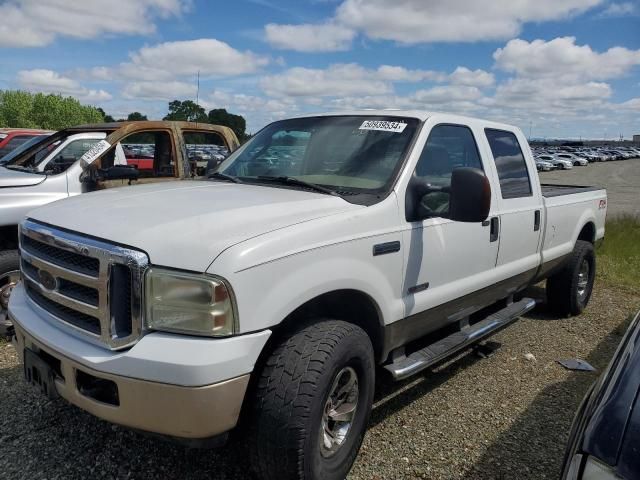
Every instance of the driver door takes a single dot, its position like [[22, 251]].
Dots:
[[447, 261]]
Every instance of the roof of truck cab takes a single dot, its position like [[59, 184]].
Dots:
[[421, 115], [144, 124]]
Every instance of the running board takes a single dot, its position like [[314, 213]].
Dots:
[[436, 352]]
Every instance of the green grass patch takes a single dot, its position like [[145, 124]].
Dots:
[[618, 258]]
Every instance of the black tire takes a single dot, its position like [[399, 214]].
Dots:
[[567, 294], [291, 396], [9, 266]]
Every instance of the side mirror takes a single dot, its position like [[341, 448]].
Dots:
[[469, 195], [119, 172], [212, 165]]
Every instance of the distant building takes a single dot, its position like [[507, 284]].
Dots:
[[636, 139]]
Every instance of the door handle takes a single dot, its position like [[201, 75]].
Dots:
[[536, 221], [494, 230]]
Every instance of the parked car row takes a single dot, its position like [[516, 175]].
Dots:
[[566, 157]]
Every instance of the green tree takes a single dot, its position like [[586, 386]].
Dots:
[[136, 117], [15, 109], [19, 109], [107, 118], [186, 111], [237, 123]]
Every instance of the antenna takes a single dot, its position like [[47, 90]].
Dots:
[[198, 86], [198, 91]]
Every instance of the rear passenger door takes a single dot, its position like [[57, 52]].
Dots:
[[520, 207]]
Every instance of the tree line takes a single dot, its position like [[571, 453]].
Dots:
[[21, 109]]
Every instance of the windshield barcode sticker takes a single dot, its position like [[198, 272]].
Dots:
[[91, 154], [383, 125]]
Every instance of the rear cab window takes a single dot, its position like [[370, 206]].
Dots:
[[204, 149], [510, 164]]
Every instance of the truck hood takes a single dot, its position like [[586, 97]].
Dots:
[[14, 178], [187, 224]]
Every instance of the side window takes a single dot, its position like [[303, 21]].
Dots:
[[151, 153], [202, 148], [69, 154], [448, 147], [510, 163]]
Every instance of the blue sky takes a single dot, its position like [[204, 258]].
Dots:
[[556, 67]]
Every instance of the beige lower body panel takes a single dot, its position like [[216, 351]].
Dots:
[[173, 410]]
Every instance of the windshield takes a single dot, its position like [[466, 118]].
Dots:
[[347, 154], [25, 146], [67, 151]]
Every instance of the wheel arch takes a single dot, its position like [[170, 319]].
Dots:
[[588, 232], [349, 305]]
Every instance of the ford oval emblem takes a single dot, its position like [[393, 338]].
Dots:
[[47, 280]]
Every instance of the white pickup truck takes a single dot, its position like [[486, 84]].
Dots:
[[322, 248]]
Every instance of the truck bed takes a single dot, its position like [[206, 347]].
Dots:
[[551, 190]]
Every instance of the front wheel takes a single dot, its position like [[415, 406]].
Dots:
[[312, 403], [569, 290], [9, 277]]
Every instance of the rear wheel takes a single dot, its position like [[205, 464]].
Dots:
[[9, 277], [569, 290], [312, 403]]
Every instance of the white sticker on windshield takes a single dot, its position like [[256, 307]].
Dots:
[[98, 149], [383, 125]]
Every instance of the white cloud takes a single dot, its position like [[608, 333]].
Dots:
[[353, 79], [447, 94], [335, 81], [618, 10], [167, 70], [474, 78], [327, 37], [419, 21], [170, 90], [208, 56], [561, 56], [633, 104], [401, 74], [548, 95], [35, 23], [48, 81]]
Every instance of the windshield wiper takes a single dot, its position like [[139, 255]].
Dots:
[[300, 183], [224, 176]]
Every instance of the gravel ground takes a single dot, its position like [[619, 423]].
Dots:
[[621, 179], [503, 417]]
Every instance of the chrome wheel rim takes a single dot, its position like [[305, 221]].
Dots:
[[583, 278], [339, 411], [7, 282]]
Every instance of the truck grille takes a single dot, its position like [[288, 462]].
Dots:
[[91, 286]]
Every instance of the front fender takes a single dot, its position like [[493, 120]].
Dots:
[[266, 294]]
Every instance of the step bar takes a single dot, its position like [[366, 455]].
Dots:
[[436, 352]]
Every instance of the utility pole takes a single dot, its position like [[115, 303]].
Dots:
[[530, 125]]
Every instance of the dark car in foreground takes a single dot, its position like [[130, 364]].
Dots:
[[605, 438]]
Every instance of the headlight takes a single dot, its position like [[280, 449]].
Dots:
[[196, 304]]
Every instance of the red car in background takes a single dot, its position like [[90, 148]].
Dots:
[[11, 138]]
